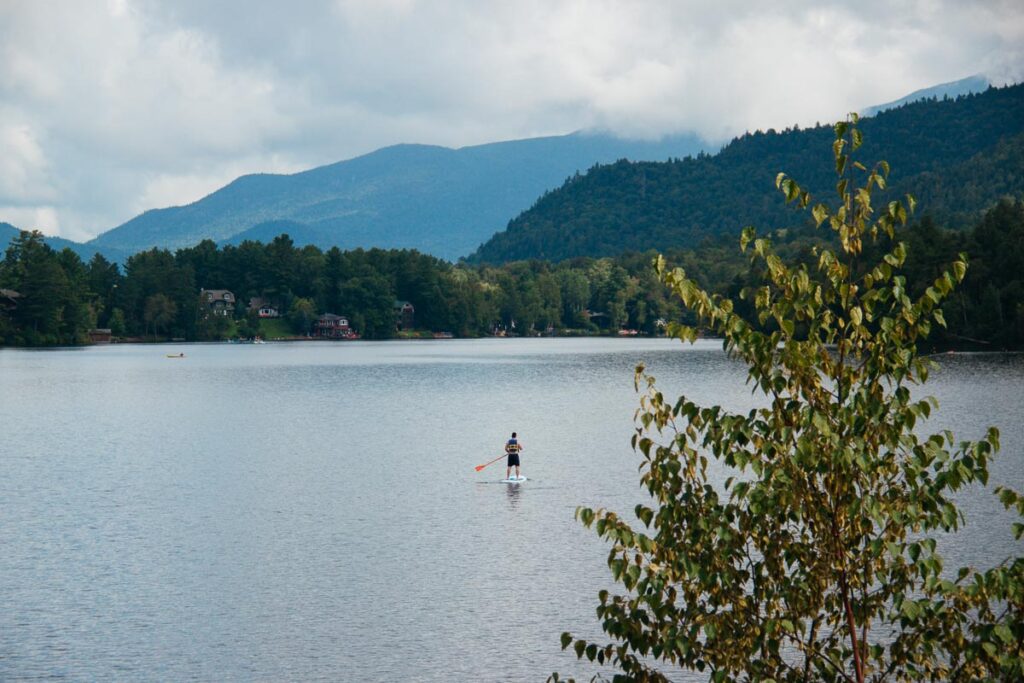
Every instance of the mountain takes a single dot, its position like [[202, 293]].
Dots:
[[953, 89], [958, 157], [8, 232], [438, 200]]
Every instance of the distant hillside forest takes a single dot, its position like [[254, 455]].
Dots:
[[54, 298], [957, 157]]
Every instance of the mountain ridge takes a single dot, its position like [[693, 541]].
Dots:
[[402, 196], [440, 200], [977, 83], [8, 232], [636, 206]]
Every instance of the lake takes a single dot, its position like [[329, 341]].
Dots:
[[311, 510]]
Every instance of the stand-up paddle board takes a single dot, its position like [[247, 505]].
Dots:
[[513, 480]]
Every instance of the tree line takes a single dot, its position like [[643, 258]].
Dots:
[[155, 295]]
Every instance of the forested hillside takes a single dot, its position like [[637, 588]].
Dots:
[[957, 157], [156, 296]]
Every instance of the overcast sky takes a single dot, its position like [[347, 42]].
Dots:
[[109, 108]]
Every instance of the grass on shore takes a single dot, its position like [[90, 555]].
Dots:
[[275, 328]]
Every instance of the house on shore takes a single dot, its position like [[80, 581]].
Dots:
[[405, 316], [100, 335], [602, 320], [331, 326], [217, 302], [8, 300], [264, 308]]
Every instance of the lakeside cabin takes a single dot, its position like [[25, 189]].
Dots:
[[264, 308], [100, 335], [405, 316], [331, 326], [218, 301], [8, 300]]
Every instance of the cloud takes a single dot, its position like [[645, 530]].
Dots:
[[23, 166], [110, 108], [43, 218]]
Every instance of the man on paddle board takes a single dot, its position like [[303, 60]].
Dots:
[[512, 447]]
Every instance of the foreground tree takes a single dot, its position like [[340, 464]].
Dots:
[[817, 560], [159, 312], [302, 314]]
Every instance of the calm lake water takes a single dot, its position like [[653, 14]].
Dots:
[[311, 510]]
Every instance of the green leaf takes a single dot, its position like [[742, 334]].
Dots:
[[857, 138], [856, 316], [821, 423], [790, 189], [820, 213], [910, 609], [746, 237]]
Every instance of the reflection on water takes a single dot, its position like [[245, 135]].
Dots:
[[514, 491], [298, 511]]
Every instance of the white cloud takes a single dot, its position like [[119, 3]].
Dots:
[[110, 107], [23, 166], [42, 218]]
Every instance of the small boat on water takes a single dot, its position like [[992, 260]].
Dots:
[[176, 355]]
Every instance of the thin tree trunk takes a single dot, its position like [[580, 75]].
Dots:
[[852, 625]]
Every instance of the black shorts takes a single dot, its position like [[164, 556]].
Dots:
[[513, 460]]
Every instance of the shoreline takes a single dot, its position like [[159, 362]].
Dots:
[[931, 353]]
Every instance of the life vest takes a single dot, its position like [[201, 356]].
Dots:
[[512, 446]]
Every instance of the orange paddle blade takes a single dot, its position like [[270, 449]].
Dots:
[[480, 467]]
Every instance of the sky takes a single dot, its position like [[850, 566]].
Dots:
[[112, 107]]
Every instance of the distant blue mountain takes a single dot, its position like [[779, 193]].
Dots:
[[441, 201], [85, 251], [965, 86]]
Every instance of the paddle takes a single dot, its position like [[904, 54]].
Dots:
[[480, 467]]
